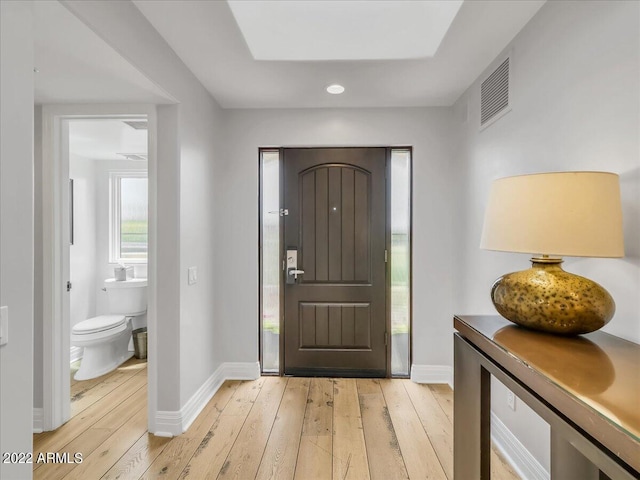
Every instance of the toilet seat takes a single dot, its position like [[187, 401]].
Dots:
[[98, 324]]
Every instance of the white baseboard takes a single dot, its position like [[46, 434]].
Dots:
[[515, 453], [241, 370], [172, 423], [38, 420], [432, 374], [76, 354]]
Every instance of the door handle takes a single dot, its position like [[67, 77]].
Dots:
[[292, 277], [295, 273]]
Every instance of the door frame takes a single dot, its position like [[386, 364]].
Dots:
[[282, 258], [56, 331]]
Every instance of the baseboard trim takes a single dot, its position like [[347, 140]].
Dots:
[[38, 420], [241, 370], [432, 374], [173, 423], [515, 453], [76, 354]]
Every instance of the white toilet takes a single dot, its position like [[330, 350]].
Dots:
[[105, 338]]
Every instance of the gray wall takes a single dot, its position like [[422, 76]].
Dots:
[[37, 260], [575, 91], [428, 130], [16, 231]]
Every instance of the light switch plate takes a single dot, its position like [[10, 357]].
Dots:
[[192, 275], [4, 325]]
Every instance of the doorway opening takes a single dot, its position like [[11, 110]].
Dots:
[[98, 195], [109, 240], [335, 261]]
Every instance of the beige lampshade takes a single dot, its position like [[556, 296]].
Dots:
[[565, 213]]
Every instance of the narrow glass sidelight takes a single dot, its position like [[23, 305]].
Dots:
[[400, 261], [270, 259]]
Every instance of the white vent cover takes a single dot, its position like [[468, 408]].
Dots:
[[494, 95], [137, 124], [140, 157]]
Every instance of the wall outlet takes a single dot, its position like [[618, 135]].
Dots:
[[511, 401], [192, 275], [4, 325]]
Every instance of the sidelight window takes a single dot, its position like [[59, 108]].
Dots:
[[400, 260], [270, 259]]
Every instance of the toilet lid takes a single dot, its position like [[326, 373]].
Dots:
[[98, 324]]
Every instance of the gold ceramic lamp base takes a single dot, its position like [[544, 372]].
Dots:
[[547, 298]]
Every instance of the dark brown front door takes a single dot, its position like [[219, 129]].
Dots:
[[335, 312]]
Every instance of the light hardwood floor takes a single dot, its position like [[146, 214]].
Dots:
[[271, 428]]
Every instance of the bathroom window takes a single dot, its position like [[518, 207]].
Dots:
[[129, 225]]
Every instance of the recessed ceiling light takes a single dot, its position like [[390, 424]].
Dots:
[[335, 89]]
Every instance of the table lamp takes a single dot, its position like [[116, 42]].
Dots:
[[550, 215]]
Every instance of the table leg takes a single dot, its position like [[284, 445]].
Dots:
[[471, 418], [567, 463]]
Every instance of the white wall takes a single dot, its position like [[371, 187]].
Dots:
[[82, 254], [16, 231], [428, 130], [576, 101], [189, 143]]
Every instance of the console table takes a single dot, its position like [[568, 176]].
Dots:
[[587, 388]]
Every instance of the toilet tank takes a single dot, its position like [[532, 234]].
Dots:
[[128, 297]]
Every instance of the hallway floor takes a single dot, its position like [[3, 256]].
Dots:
[[273, 427]]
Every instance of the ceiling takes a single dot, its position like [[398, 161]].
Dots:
[[76, 66], [104, 139], [206, 36]]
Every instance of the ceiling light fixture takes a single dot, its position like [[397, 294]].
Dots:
[[335, 89]]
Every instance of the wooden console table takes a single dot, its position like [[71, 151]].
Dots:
[[587, 388]]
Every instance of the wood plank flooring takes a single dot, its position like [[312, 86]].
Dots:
[[271, 428]]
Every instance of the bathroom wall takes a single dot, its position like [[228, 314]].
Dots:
[[90, 264], [83, 251], [576, 106], [104, 269]]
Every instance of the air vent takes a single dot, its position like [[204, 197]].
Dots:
[[140, 157], [494, 95], [137, 124]]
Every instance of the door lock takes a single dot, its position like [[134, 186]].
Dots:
[[292, 266]]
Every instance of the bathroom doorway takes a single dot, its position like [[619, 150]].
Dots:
[[98, 211], [109, 239]]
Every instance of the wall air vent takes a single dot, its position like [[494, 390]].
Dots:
[[137, 124], [495, 95]]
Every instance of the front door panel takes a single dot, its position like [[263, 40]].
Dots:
[[335, 312]]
